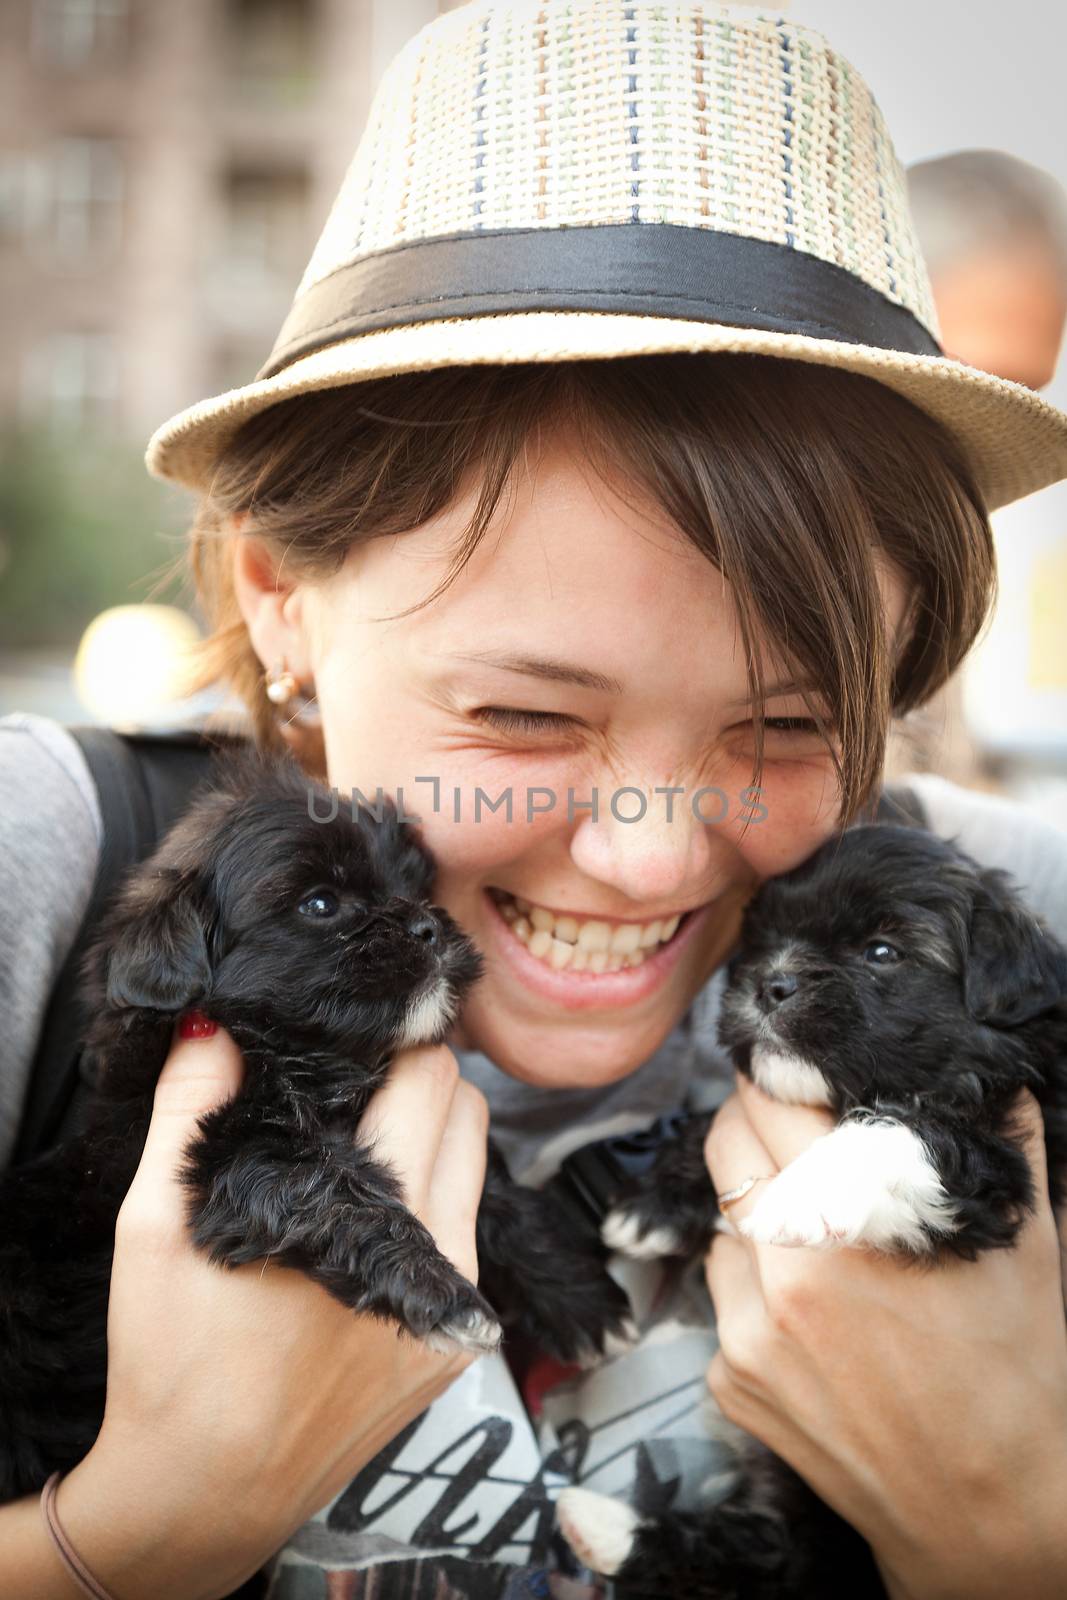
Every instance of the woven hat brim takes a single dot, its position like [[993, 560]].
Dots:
[[1015, 441]]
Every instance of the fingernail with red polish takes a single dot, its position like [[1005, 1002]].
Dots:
[[194, 1025]]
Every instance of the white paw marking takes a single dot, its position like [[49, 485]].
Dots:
[[621, 1230], [599, 1531], [866, 1183], [788, 1077], [617, 1344], [614, 1344], [472, 1332]]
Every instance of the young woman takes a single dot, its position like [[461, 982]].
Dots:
[[654, 530]]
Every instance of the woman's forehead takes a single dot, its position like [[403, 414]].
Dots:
[[561, 543], [568, 558]]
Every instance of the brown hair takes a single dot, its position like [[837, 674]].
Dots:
[[792, 479]]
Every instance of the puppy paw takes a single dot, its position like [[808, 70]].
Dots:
[[600, 1531], [669, 1211], [612, 1342], [469, 1329], [794, 1213], [868, 1183], [584, 1341], [580, 1316], [631, 1233]]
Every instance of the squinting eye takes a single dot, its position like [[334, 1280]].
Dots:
[[323, 903], [509, 720], [777, 729], [881, 954], [790, 724]]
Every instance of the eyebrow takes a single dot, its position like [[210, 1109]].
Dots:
[[584, 677], [772, 690], [544, 667]]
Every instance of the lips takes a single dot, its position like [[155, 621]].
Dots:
[[583, 944], [629, 983]]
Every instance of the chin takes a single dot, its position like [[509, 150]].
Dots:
[[558, 1052], [569, 1075]]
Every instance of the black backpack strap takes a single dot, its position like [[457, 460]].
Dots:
[[144, 781]]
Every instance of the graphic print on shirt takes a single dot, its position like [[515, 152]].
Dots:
[[460, 1506]]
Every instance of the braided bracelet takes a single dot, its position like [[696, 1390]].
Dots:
[[72, 1561]]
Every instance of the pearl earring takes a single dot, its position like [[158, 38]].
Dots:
[[280, 684]]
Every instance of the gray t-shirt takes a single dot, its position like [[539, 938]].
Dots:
[[461, 1503]]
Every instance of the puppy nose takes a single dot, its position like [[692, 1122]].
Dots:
[[425, 926], [775, 988]]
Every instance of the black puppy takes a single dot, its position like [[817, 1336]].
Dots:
[[314, 944], [893, 980]]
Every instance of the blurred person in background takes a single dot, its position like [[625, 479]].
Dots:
[[993, 230], [994, 234]]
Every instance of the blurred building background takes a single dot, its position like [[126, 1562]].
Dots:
[[165, 168], [164, 171]]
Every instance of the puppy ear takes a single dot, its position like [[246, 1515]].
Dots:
[[162, 958], [1015, 968]]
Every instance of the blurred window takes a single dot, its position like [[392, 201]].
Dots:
[[78, 33], [271, 46], [74, 208], [72, 379], [266, 212]]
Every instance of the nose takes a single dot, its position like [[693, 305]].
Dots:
[[648, 858], [774, 988], [425, 927]]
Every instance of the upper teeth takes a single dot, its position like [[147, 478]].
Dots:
[[592, 946]]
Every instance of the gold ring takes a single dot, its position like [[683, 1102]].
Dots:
[[730, 1197]]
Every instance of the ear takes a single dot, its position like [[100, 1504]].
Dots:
[[273, 606], [162, 958], [1015, 968]]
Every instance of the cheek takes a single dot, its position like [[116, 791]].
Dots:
[[474, 845], [802, 808], [466, 849]]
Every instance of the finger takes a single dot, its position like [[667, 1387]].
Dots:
[[406, 1119], [734, 1153], [731, 1275], [785, 1130], [458, 1177], [199, 1074]]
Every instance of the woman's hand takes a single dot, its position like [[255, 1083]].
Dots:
[[240, 1402], [927, 1406]]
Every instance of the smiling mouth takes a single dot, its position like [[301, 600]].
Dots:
[[579, 944]]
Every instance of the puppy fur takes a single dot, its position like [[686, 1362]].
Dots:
[[894, 980], [315, 945]]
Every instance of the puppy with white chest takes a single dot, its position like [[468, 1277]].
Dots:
[[314, 943], [893, 980]]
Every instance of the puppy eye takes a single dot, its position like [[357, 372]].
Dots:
[[323, 903], [881, 954]]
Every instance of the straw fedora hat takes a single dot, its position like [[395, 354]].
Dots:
[[542, 180]]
